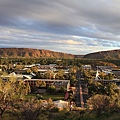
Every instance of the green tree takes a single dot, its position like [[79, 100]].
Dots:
[[99, 103], [10, 91], [112, 90], [60, 74], [26, 110], [73, 80], [34, 69], [51, 89], [49, 74], [29, 70]]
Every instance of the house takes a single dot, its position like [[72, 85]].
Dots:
[[88, 67], [116, 72], [13, 74], [16, 76], [60, 104]]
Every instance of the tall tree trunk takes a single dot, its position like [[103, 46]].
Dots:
[[0, 117]]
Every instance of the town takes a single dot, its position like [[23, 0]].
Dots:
[[60, 83]]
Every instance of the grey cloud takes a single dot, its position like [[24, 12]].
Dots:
[[47, 20], [65, 15]]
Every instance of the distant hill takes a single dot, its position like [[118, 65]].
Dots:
[[112, 54], [78, 56], [36, 53]]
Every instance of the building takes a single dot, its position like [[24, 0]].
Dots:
[[57, 83]]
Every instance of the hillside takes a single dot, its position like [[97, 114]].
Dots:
[[112, 54], [37, 53], [28, 52]]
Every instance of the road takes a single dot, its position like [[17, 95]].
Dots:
[[81, 93]]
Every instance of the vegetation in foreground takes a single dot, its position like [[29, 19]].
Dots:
[[54, 114], [15, 106]]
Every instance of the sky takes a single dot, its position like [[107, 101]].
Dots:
[[71, 26]]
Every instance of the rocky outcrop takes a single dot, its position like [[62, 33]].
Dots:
[[36, 53], [112, 54]]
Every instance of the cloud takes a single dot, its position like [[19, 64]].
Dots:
[[73, 26], [72, 42]]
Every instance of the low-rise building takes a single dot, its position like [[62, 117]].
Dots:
[[57, 83]]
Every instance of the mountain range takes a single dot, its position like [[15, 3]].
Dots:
[[37, 53]]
